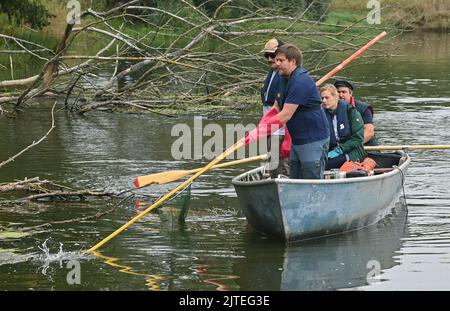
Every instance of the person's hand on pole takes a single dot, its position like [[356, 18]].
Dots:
[[269, 124]]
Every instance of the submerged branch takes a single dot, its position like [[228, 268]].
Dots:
[[49, 191], [70, 195], [26, 184], [79, 219]]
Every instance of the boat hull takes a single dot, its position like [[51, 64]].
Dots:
[[302, 209]]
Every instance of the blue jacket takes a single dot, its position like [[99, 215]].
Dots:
[[271, 93], [350, 130], [343, 125]]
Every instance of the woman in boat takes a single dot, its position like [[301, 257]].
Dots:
[[346, 129]]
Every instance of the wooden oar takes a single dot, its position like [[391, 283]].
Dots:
[[170, 176], [406, 147], [169, 195], [230, 150]]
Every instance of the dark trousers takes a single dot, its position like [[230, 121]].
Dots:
[[336, 162]]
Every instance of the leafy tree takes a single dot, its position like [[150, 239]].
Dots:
[[26, 12]]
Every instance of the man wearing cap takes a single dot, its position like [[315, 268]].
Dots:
[[268, 93], [345, 90], [299, 106]]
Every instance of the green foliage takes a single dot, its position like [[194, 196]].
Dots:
[[209, 6], [26, 12], [238, 8], [318, 9], [152, 3]]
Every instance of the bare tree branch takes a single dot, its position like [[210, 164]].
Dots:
[[34, 143], [179, 54]]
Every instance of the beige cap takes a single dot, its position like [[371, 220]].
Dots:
[[271, 46]]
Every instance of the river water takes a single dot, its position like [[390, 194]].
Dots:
[[215, 249]]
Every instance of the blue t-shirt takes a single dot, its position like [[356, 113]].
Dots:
[[309, 122]]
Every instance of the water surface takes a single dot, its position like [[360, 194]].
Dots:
[[215, 249]]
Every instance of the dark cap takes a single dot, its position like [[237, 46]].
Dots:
[[345, 83]]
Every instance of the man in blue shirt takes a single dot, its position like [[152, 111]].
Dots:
[[268, 90], [299, 104], [279, 165]]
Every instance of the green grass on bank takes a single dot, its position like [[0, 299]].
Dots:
[[429, 15], [420, 14]]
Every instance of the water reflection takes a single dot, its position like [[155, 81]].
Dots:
[[324, 264], [151, 256], [170, 221], [221, 282], [152, 281]]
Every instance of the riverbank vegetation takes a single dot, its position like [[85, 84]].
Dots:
[[177, 56], [172, 55], [413, 15]]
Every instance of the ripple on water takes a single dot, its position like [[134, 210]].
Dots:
[[421, 100], [46, 258], [424, 255]]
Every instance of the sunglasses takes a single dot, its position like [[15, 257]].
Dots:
[[271, 55]]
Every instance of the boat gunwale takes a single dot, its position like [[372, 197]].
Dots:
[[236, 180]]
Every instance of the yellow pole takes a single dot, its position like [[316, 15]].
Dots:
[[406, 147], [170, 176], [168, 195]]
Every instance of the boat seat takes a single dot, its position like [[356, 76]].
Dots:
[[386, 159]]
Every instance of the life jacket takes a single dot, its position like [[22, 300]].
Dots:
[[343, 123], [361, 106], [272, 91]]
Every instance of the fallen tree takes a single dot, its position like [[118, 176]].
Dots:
[[181, 55]]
